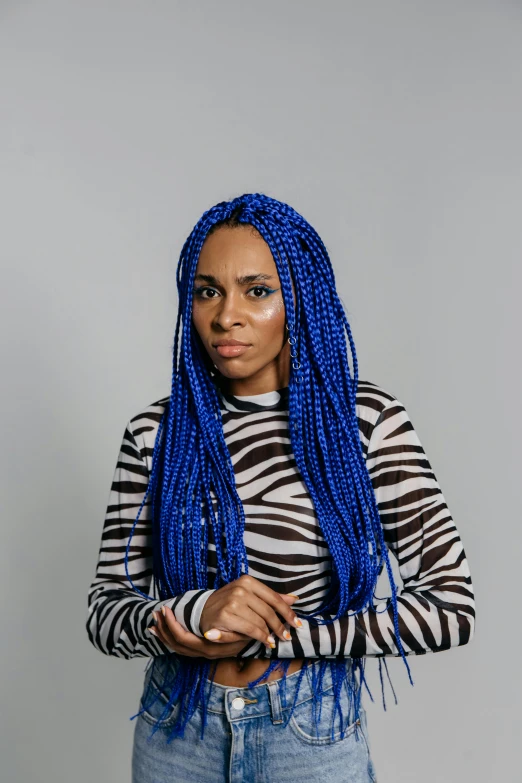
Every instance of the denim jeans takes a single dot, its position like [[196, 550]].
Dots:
[[246, 741]]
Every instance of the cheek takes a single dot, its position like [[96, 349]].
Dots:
[[272, 315], [198, 319]]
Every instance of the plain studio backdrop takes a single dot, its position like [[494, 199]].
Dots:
[[394, 128]]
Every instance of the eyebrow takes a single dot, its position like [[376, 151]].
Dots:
[[244, 280]]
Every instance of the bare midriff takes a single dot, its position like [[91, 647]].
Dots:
[[237, 672]]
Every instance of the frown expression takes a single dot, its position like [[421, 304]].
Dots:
[[237, 296]]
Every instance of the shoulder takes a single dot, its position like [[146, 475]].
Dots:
[[145, 423], [371, 399]]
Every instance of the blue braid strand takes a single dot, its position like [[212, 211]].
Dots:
[[192, 484]]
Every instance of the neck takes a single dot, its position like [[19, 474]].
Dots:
[[246, 387]]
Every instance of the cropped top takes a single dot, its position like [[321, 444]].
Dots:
[[285, 547]]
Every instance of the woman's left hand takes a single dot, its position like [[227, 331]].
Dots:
[[179, 640]]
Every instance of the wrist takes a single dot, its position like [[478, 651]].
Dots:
[[188, 607], [197, 616]]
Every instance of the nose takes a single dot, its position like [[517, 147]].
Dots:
[[229, 312]]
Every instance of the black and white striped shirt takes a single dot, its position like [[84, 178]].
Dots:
[[284, 543]]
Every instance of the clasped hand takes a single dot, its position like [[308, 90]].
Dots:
[[242, 610]]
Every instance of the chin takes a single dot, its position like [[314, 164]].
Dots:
[[235, 374]]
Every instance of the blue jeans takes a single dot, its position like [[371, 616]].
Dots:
[[245, 740]]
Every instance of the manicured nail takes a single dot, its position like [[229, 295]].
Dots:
[[287, 635], [152, 630], [270, 640], [298, 623], [292, 595], [163, 609], [213, 634], [155, 615]]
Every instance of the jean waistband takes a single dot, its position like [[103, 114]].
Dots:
[[274, 697]]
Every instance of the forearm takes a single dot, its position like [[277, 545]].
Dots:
[[118, 620], [118, 615], [426, 624]]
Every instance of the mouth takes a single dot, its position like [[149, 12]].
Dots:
[[229, 351]]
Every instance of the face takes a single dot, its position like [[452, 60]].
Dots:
[[237, 296]]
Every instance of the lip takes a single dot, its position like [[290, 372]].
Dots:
[[231, 350], [229, 342]]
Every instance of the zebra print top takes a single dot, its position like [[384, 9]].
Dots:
[[285, 546]]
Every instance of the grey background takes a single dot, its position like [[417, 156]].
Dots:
[[394, 128]]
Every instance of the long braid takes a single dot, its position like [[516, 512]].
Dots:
[[191, 464]]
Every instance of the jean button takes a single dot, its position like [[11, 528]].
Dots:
[[238, 703]]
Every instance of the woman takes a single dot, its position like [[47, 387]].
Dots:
[[251, 514]]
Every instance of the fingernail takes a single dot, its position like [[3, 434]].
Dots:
[[155, 615], [298, 622], [292, 595], [287, 635], [271, 640], [214, 633], [152, 630], [272, 646], [163, 611]]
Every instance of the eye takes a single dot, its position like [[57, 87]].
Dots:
[[264, 289], [199, 292]]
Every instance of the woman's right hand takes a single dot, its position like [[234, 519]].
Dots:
[[247, 609]]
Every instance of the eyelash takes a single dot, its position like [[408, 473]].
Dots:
[[198, 291]]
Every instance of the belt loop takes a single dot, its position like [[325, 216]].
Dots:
[[275, 701]]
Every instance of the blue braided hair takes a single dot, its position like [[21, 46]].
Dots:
[[190, 455]]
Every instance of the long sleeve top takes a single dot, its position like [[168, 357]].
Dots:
[[284, 543]]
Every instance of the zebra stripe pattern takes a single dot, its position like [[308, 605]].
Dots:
[[285, 546]]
